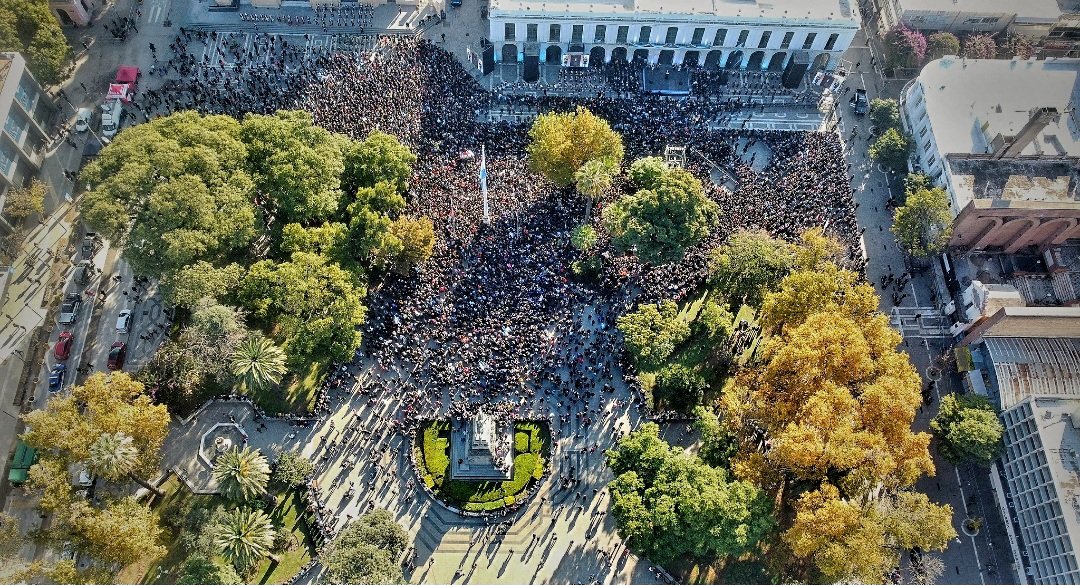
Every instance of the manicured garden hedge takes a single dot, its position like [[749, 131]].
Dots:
[[531, 447]]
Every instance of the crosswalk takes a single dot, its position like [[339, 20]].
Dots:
[[919, 322], [217, 52]]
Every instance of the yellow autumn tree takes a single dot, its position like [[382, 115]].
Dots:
[[560, 143], [105, 403]]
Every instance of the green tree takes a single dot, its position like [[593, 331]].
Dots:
[[714, 322], [669, 504], [244, 536], [203, 571], [316, 305], [330, 239], [718, 443], [891, 149], [241, 474], [22, 202], [561, 143], [30, 27], [365, 552], [659, 224], [885, 113], [584, 238], [940, 44], [593, 179], [980, 46], [379, 157], [967, 430], [257, 363], [749, 265], [680, 388], [295, 163], [652, 332], [176, 190], [291, 469], [189, 285], [114, 455], [1017, 46], [923, 224], [648, 172]]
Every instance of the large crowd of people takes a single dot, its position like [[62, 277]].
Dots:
[[495, 316]]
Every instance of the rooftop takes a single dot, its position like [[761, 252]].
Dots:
[[1056, 426], [1009, 182], [1034, 366], [969, 102], [1039, 9], [671, 10]]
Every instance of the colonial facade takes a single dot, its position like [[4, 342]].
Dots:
[[724, 33]]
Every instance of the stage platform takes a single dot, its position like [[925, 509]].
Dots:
[[665, 80]]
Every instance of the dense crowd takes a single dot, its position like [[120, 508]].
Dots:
[[495, 316]]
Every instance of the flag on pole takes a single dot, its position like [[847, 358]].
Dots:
[[483, 183]]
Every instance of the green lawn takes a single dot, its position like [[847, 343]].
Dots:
[[296, 393], [165, 570], [531, 447]]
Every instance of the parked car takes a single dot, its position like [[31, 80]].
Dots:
[[89, 245], [116, 356], [859, 102], [56, 377], [83, 119], [123, 321], [62, 349], [69, 310], [84, 272]]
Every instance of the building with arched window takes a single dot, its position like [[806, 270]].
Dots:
[[731, 34]]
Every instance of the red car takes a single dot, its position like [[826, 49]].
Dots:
[[116, 356], [62, 349]]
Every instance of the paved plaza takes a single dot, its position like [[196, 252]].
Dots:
[[356, 444]]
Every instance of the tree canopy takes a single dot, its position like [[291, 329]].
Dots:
[[885, 113], [295, 164], [560, 143], [667, 504], [69, 425], [652, 332], [891, 149], [923, 224], [940, 44], [365, 552], [176, 190], [317, 304], [659, 223], [30, 27], [379, 157], [905, 47], [967, 430], [749, 265], [980, 46]]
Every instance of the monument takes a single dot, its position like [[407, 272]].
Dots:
[[481, 449]]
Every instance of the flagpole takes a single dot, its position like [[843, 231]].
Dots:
[[483, 183]]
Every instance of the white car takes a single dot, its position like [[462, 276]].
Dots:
[[123, 321], [83, 119]]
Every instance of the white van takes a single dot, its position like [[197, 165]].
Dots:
[[110, 118], [123, 321]]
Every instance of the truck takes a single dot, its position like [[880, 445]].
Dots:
[[111, 111]]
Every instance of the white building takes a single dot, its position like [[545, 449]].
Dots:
[[26, 113], [735, 34], [1032, 18], [1008, 110]]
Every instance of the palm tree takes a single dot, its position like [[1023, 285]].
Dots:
[[592, 179], [241, 474], [244, 536], [258, 363], [114, 455]]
